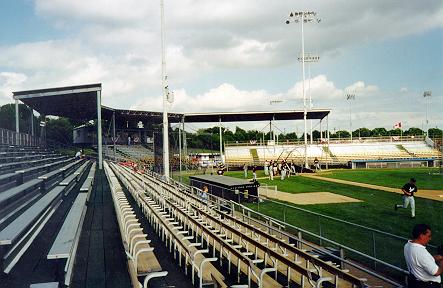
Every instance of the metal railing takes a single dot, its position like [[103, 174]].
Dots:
[[370, 260], [8, 137], [356, 140]]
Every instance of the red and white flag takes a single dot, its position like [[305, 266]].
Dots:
[[397, 125]]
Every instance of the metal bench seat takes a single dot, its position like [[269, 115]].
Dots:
[[63, 244], [14, 193], [19, 225], [76, 175], [87, 185], [8, 177], [21, 232]]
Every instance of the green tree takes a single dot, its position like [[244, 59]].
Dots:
[[379, 132], [7, 118], [435, 133], [361, 132], [395, 132], [60, 130], [413, 131], [341, 134]]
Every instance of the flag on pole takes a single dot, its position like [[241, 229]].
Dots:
[[397, 125]]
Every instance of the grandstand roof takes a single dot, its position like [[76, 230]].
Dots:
[[75, 102], [80, 103], [156, 117], [255, 116]]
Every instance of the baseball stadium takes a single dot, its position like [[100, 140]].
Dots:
[[98, 193]]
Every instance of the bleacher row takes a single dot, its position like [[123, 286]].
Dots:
[[138, 152], [36, 184], [141, 260], [332, 153], [211, 243]]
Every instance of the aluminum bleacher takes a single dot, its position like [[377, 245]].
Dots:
[[137, 152], [41, 210], [335, 152]]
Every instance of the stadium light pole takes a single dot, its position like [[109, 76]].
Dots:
[[427, 95], [303, 17], [165, 95], [350, 98], [310, 58]]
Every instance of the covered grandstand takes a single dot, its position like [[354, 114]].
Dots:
[[360, 153]]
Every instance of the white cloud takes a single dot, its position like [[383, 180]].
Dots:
[[9, 82], [404, 89], [359, 88], [118, 43]]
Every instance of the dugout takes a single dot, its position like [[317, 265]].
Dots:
[[228, 188], [392, 163]]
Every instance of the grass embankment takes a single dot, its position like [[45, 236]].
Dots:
[[427, 178]]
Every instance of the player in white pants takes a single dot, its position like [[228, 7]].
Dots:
[[408, 196]]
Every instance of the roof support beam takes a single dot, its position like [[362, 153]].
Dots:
[[17, 127], [99, 130]]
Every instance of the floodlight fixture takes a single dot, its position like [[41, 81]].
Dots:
[[350, 97], [427, 95]]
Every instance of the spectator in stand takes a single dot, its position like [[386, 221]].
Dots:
[[424, 269], [204, 194], [129, 140], [78, 154]]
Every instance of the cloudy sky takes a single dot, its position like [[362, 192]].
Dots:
[[233, 55]]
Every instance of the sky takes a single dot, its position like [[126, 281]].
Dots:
[[234, 56]]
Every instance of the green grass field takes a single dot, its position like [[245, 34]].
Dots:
[[426, 177]]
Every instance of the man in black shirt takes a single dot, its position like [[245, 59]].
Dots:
[[408, 196]]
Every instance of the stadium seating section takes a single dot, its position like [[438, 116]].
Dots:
[[38, 186], [333, 153]]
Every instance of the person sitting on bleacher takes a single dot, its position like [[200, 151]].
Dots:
[[79, 154], [204, 195]]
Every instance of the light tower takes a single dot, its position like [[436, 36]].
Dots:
[[427, 95], [165, 97], [310, 58], [303, 17], [350, 98]]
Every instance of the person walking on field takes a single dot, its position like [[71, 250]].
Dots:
[[408, 196], [245, 170], [271, 170]]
